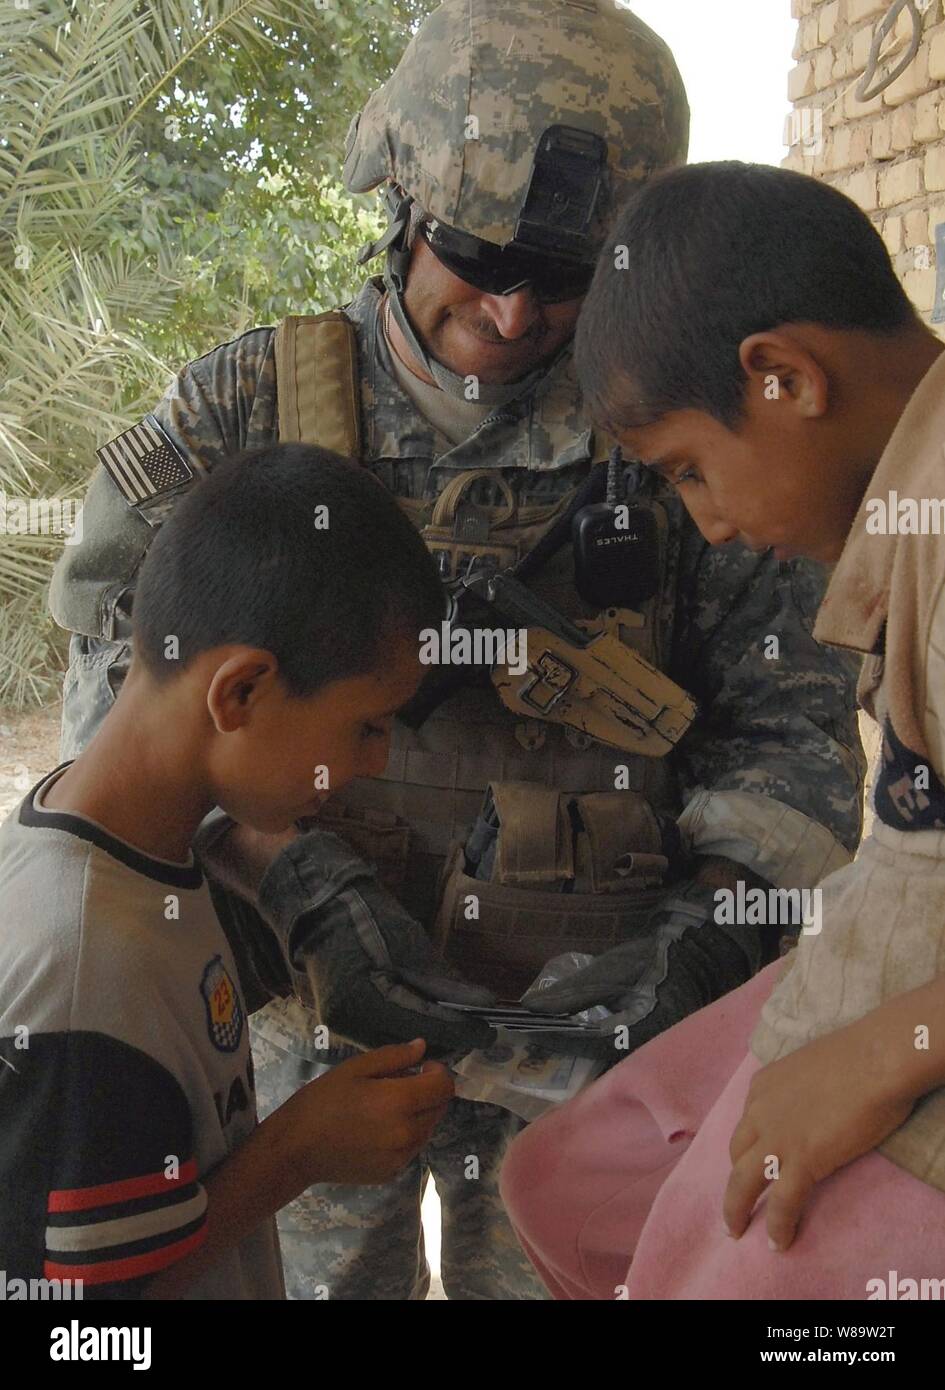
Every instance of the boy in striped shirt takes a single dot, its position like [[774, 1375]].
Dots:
[[131, 1159]]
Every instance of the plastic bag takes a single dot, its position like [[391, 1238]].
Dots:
[[521, 1075]]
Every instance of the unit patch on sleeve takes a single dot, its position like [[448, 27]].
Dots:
[[144, 463], [908, 794], [224, 1008]]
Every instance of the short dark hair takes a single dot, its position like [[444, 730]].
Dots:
[[716, 252], [241, 560]]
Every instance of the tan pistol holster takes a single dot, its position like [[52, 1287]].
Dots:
[[605, 690]]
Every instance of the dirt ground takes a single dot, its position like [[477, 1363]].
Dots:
[[29, 746]]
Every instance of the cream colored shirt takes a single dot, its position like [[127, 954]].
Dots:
[[883, 922]]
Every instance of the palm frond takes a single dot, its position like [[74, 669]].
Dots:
[[96, 254]]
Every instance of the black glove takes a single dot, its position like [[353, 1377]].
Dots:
[[680, 961], [373, 969]]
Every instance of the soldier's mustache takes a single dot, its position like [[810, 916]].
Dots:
[[490, 333]]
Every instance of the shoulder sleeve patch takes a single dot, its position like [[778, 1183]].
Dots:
[[144, 463]]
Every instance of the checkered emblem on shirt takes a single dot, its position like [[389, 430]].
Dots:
[[143, 462], [224, 1007]]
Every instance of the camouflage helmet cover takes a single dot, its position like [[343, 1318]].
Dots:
[[458, 122]]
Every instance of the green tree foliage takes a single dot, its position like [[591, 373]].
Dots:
[[169, 176], [243, 152]]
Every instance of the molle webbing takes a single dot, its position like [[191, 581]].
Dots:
[[317, 382]]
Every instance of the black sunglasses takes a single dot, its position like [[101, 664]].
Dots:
[[503, 270]]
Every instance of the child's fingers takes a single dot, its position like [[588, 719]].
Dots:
[[745, 1186], [387, 1061], [743, 1137], [786, 1202], [428, 1090], [415, 1131]]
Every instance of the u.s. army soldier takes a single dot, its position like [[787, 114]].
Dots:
[[505, 141]]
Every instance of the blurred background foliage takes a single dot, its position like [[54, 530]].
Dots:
[[169, 177]]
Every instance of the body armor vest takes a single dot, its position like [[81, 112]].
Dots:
[[412, 822]]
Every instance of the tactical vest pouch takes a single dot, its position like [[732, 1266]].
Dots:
[[461, 531], [516, 931], [533, 846], [568, 873], [317, 382], [624, 843]]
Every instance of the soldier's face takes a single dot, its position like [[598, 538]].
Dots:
[[290, 754], [497, 338]]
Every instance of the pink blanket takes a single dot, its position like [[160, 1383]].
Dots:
[[634, 1169]]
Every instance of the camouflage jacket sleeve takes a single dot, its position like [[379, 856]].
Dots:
[[223, 402], [772, 771]]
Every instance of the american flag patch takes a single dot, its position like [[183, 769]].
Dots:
[[143, 462]]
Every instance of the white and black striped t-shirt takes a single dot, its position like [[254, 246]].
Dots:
[[125, 1069]]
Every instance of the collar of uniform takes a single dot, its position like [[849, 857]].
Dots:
[[541, 433], [856, 604]]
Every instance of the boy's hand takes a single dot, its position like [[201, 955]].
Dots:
[[366, 1118], [807, 1115], [376, 976]]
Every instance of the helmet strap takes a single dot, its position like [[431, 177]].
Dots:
[[394, 242]]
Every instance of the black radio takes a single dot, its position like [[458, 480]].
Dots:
[[616, 550]]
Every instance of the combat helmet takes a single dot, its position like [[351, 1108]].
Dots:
[[521, 126]]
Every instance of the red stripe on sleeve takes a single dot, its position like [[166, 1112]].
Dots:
[[110, 1193], [132, 1267]]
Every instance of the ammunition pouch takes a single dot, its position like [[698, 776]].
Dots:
[[544, 872]]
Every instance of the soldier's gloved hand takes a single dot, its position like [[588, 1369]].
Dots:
[[680, 961], [237, 856], [373, 968]]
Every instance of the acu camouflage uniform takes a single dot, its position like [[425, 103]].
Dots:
[[769, 776]]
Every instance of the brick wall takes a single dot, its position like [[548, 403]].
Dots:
[[888, 153]]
